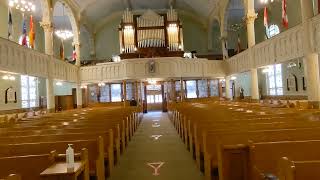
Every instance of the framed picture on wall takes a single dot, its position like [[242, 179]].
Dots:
[[10, 95], [152, 66], [292, 83], [304, 84]]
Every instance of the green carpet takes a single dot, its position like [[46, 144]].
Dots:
[[144, 149]]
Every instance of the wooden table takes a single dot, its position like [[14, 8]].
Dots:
[[59, 171]]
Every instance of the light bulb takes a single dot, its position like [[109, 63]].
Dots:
[[5, 77], [11, 3], [12, 78]]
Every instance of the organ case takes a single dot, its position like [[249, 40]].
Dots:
[[158, 33]]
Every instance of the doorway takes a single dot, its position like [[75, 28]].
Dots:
[[154, 97]]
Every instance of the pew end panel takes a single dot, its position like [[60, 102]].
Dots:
[[233, 162]]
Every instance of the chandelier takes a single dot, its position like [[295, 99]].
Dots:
[[64, 34], [23, 5], [266, 1]]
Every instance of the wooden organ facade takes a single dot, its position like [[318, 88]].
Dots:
[[150, 35]]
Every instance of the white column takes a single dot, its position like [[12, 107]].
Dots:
[[50, 95], [228, 94], [93, 46], [48, 37], [78, 88], [79, 96], [311, 58], [254, 85], [182, 90], [210, 33], [250, 18], [78, 52], [224, 47]]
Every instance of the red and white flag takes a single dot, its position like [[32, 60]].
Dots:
[[74, 53], [285, 21], [265, 18]]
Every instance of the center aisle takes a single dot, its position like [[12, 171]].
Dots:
[[167, 152]]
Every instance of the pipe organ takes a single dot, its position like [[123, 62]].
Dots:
[[162, 32]]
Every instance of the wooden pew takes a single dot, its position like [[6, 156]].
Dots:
[[218, 140], [12, 177], [254, 162], [298, 170], [95, 155], [20, 165]]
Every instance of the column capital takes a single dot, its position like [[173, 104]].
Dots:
[[223, 38], [47, 26], [251, 17], [77, 44]]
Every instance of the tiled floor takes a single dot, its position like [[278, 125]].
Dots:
[[168, 150]]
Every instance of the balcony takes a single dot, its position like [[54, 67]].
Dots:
[[283, 47], [18, 59], [170, 67]]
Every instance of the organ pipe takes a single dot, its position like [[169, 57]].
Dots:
[[150, 31]]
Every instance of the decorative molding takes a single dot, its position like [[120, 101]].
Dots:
[[171, 67], [18, 59], [286, 46]]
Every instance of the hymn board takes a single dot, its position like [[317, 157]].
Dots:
[[150, 34]]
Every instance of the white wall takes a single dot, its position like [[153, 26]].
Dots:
[[65, 89], [4, 84], [243, 81]]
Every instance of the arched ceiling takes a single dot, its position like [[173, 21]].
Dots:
[[97, 9], [94, 13]]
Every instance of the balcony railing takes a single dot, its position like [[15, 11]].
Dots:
[[171, 67], [283, 47], [18, 59]]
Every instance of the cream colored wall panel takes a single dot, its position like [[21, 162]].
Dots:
[[165, 68], [18, 59]]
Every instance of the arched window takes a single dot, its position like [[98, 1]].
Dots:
[[273, 30], [274, 80]]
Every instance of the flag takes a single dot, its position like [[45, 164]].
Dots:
[[285, 21], [61, 51], [24, 33], [10, 25], [74, 53], [265, 21], [31, 33], [265, 18], [239, 45]]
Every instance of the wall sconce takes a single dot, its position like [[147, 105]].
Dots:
[[9, 77], [59, 83], [101, 84]]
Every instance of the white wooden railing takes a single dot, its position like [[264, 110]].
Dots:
[[283, 47], [170, 67], [18, 59]]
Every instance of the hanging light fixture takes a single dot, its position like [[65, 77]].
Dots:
[[64, 34], [266, 1], [152, 81], [23, 5]]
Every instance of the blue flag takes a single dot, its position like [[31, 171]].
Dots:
[[24, 33]]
